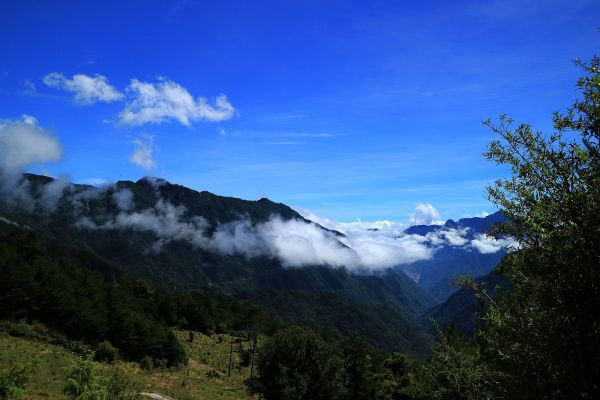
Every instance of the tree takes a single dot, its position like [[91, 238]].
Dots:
[[541, 339], [297, 363], [359, 379], [395, 378], [545, 334]]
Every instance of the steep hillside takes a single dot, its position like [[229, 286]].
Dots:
[[462, 307]]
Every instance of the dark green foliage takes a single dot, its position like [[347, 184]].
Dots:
[[455, 370], [146, 363], [296, 363], [106, 352], [394, 378], [78, 302], [384, 328], [133, 315], [120, 387], [179, 266], [14, 379], [359, 380], [83, 382], [462, 309]]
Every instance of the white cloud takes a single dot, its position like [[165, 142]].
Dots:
[[123, 199], [384, 243], [87, 89], [425, 214], [142, 155], [486, 244], [53, 191], [24, 142], [454, 237], [295, 243], [365, 246], [29, 88], [377, 244], [166, 100]]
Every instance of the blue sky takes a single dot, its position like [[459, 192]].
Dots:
[[349, 109]]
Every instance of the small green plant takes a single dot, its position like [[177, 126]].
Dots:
[[14, 379], [83, 383]]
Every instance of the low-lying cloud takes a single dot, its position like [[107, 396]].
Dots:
[[364, 246]]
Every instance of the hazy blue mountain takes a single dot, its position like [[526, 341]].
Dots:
[[434, 275]]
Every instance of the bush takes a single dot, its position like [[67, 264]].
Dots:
[[13, 380], [246, 357], [213, 373], [106, 352], [146, 363], [120, 386], [83, 383]]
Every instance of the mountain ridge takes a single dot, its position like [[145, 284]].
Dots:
[[180, 263]]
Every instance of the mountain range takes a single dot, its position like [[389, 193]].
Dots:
[[179, 238]]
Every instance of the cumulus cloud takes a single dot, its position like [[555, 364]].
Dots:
[[165, 101], [87, 89], [142, 154], [425, 214], [24, 143]]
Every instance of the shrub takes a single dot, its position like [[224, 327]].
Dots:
[[106, 352], [120, 386], [14, 379], [83, 383], [146, 363]]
